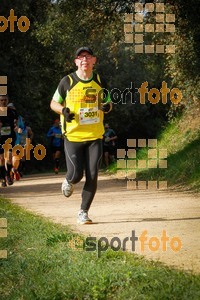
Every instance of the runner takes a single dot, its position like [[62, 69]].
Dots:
[[15, 160], [8, 125], [56, 143], [22, 132], [109, 145], [82, 99]]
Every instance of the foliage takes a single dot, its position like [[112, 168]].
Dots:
[[35, 61], [26, 63], [183, 67], [183, 153]]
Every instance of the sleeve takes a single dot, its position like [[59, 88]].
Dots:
[[61, 92], [49, 133], [21, 123], [113, 133]]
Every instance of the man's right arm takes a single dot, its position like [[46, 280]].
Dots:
[[56, 106], [60, 95], [59, 98]]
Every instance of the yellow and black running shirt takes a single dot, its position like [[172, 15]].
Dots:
[[84, 99]]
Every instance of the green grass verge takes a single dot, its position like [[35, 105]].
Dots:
[[183, 157], [41, 265]]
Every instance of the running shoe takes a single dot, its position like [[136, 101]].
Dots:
[[83, 217], [67, 188], [3, 183], [9, 180]]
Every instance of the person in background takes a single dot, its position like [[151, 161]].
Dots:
[[22, 132], [109, 145], [56, 143], [80, 102], [8, 126]]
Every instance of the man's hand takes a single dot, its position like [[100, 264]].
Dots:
[[107, 139], [67, 115], [106, 108]]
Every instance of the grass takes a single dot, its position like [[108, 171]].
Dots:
[[183, 160], [181, 138], [42, 264]]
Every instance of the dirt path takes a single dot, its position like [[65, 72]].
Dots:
[[119, 212]]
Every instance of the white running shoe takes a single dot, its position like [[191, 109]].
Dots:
[[83, 217], [67, 188]]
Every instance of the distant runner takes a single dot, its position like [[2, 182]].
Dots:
[[109, 145], [56, 143], [22, 132], [82, 99], [8, 125]]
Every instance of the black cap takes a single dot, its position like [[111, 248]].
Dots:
[[87, 49]]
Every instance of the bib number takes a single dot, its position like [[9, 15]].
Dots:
[[5, 130], [89, 116]]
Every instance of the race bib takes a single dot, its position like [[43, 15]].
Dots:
[[5, 130], [89, 116]]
